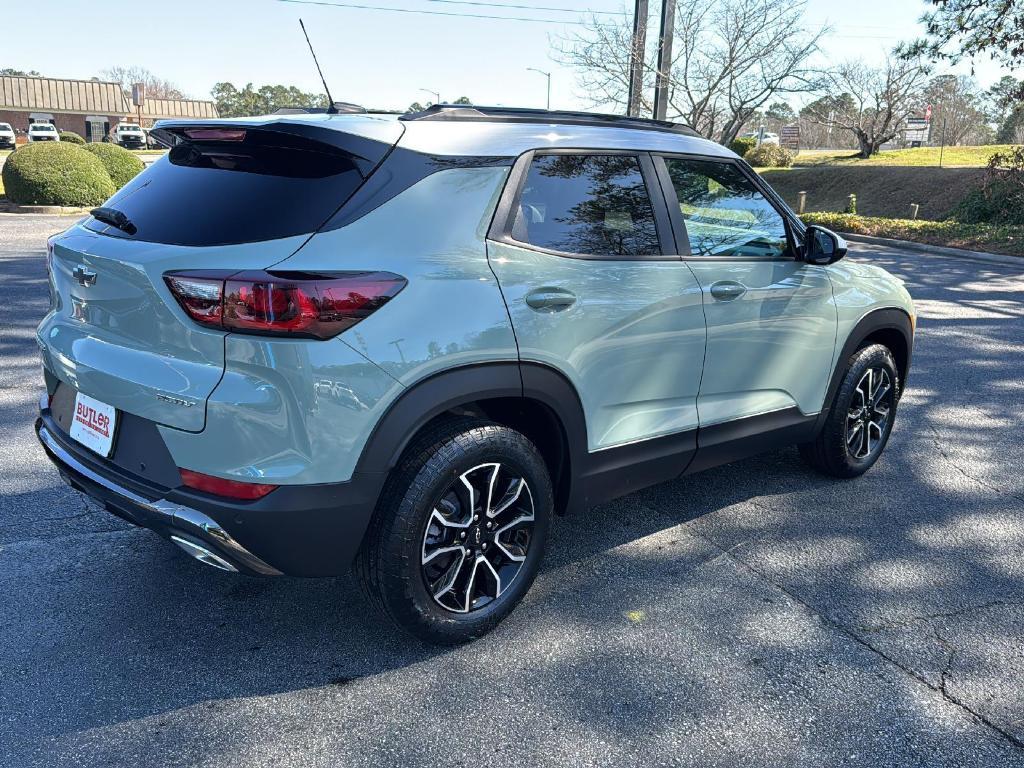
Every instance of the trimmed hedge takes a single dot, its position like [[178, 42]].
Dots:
[[56, 173], [71, 137], [955, 234], [742, 144], [121, 164], [769, 156]]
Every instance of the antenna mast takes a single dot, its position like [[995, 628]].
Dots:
[[331, 110]]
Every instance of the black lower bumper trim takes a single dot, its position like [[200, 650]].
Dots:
[[312, 530]]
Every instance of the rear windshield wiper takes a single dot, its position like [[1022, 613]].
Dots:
[[114, 218]]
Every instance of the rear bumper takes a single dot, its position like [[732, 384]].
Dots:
[[312, 530]]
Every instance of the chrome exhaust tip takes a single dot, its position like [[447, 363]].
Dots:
[[204, 555]]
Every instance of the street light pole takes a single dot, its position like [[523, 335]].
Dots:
[[437, 96], [548, 76]]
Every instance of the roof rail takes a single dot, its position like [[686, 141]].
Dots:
[[461, 112]]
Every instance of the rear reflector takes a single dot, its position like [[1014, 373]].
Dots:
[[283, 303], [218, 486]]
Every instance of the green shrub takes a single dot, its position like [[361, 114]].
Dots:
[[851, 205], [1000, 200], [769, 156], [742, 144], [71, 137], [121, 164], [55, 173]]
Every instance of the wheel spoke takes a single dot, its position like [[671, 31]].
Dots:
[[509, 502], [854, 432], [447, 581]]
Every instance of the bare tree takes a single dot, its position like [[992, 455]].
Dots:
[[730, 58], [957, 107], [156, 87], [884, 98]]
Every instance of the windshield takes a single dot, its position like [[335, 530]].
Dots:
[[41, 127], [5, 126], [130, 129]]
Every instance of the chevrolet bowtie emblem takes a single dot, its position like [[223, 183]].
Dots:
[[84, 276]]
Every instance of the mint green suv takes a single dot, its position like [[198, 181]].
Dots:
[[303, 342]]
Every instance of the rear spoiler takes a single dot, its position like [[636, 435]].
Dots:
[[366, 139]]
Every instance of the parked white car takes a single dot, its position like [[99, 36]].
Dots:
[[42, 132], [769, 137], [6, 136], [129, 135]]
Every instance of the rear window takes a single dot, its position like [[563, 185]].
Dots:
[[266, 186]]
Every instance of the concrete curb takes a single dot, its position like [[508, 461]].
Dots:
[[43, 209], [938, 250]]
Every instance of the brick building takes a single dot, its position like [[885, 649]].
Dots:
[[90, 108], [163, 109]]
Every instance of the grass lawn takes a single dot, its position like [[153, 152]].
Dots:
[[952, 157], [976, 237]]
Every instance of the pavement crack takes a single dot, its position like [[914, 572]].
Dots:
[[910, 620], [940, 688], [936, 438]]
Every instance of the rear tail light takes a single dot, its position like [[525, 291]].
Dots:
[[216, 134], [283, 303], [218, 486]]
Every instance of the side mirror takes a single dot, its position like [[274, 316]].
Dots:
[[822, 246]]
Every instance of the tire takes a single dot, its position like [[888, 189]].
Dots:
[[842, 449], [430, 531]]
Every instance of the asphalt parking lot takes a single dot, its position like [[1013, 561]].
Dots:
[[756, 614]]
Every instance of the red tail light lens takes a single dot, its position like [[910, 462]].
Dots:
[[283, 303], [216, 134], [218, 486]]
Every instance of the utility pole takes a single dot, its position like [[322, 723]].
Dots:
[[636, 59], [437, 96], [548, 76], [668, 18]]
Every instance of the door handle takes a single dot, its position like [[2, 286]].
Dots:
[[727, 290], [550, 299]]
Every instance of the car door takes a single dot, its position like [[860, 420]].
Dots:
[[771, 318], [594, 286]]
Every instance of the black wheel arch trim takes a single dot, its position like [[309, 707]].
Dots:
[[882, 319], [589, 477]]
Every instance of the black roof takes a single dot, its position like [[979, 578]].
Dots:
[[461, 112]]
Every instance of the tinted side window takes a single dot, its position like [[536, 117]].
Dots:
[[725, 215], [587, 204]]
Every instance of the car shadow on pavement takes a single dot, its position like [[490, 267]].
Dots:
[[695, 609]]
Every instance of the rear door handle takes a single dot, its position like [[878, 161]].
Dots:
[[727, 290], [550, 299]]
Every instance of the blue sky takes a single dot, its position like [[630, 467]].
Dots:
[[375, 58]]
